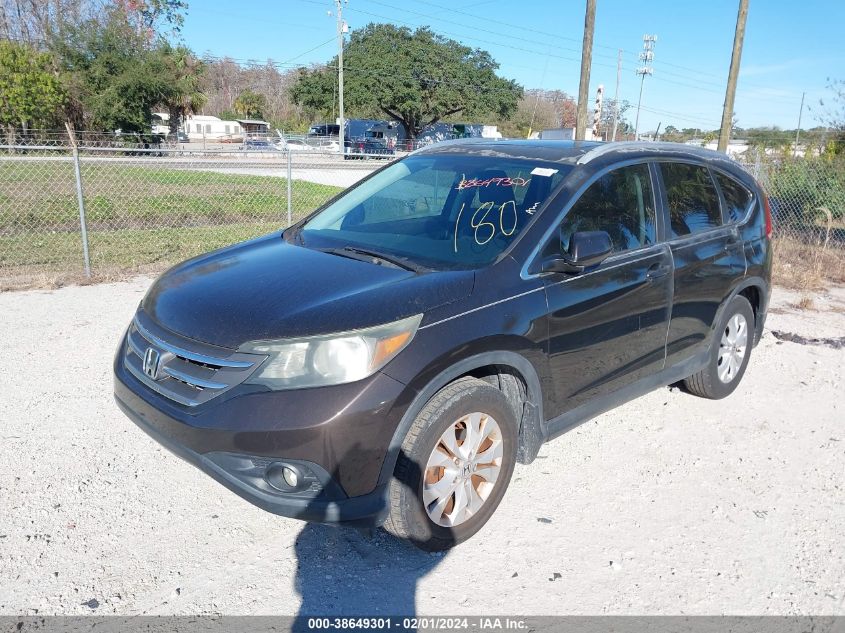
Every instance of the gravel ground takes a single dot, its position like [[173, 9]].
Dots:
[[668, 505]]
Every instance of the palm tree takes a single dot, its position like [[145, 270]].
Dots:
[[185, 96], [250, 104]]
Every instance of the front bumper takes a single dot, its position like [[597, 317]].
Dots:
[[340, 435]]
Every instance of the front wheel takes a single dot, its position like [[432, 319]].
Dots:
[[454, 466], [729, 353]]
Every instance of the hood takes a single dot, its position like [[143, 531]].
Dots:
[[269, 289]]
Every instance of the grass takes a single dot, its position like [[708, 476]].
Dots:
[[807, 267], [41, 196], [138, 217]]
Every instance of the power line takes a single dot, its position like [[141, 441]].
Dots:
[[475, 39], [717, 88], [556, 36], [310, 50], [546, 54], [509, 35]]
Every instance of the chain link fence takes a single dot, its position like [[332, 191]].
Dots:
[[806, 194], [67, 214], [807, 200], [106, 211]]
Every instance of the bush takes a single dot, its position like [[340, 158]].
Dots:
[[801, 187]]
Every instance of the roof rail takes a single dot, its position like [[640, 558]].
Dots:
[[636, 146]]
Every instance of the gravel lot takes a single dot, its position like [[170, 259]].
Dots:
[[669, 505]]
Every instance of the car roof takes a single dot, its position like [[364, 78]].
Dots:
[[554, 151], [579, 152]]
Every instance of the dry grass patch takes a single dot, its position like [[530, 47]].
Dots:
[[807, 267]]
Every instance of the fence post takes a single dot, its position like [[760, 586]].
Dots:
[[290, 202], [80, 200]]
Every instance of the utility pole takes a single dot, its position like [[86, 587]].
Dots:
[[798, 131], [586, 62], [647, 56], [616, 95], [730, 94], [342, 28]]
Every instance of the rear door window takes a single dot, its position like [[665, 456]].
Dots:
[[737, 198], [693, 203]]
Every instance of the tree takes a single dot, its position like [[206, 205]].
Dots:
[[38, 23], [539, 110], [416, 77], [834, 114], [250, 104], [149, 16], [184, 73], [42, 23], [623, 126], [30, 92], [112, 79]]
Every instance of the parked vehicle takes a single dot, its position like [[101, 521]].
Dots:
[[259, 144], [390, 358], [300, 145], [319, 130], [371, 146]]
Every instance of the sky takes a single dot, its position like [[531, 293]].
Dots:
[[789, 48]]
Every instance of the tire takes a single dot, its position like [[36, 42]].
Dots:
[[724, 369], [467, 401]]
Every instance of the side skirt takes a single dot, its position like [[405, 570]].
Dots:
[[558, 426]]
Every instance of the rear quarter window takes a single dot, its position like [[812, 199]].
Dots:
[[693, 204], [737, 198]]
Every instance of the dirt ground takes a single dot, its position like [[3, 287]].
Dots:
[[668, 505]]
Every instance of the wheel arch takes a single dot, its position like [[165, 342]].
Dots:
[[510, 372], [755, 290]]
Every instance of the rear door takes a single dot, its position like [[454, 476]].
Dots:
[[706, 252], [607, 326]]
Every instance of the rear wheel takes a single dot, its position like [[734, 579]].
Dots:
[[454, 467], [729, 353]]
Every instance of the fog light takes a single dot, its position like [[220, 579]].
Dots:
[[290, 476], [286, 477]]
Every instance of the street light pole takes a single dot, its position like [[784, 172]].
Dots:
[[341, 29]]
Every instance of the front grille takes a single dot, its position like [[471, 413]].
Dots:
[[183, 370]]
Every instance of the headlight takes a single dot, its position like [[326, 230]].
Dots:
[[332, 359]]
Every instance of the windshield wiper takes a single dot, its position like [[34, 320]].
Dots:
[[375, 257]]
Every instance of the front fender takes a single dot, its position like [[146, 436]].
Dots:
[[454, 367]]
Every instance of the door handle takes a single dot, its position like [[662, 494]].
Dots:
[[656, 271]]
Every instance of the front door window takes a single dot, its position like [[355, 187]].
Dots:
[[621, 203]]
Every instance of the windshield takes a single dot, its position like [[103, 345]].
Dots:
[[442, 211]]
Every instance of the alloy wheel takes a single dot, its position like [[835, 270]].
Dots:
[[732, 348], [462, 469]]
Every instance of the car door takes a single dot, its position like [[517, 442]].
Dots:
[[607, 325], [707, 256]]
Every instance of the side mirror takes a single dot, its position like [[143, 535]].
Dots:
[[586, 248]]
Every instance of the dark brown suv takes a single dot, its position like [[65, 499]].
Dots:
[[391, 357]]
